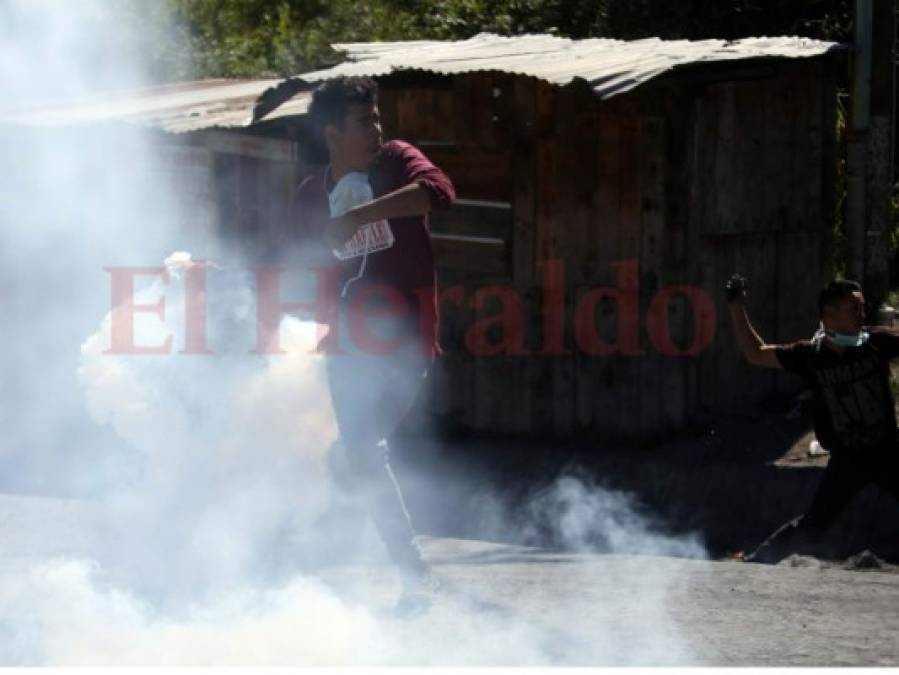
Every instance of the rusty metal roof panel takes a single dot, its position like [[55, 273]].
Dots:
[[176, 108]]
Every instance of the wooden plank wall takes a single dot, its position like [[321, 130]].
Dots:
[[253, 199], [462, 125], [689, 180], [767, 217]]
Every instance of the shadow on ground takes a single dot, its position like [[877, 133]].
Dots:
[[732, 482]]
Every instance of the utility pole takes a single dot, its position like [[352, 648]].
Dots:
[[869, 152], [880, 153], [857, 139]]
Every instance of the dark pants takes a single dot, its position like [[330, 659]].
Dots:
[[844, 477], [371, 394]]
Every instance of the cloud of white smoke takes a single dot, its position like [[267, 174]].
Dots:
[[576, 512], [205, 475], [232, 445]]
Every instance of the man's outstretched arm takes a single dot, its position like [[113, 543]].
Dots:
[[425, 188], [413, 199], [750, 343]]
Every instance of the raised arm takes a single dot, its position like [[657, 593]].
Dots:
[[413, 199], [425, 187], [750, 343]]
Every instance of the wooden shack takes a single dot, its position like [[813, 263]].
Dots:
[[665, 188], [221, 175], [606, 189]]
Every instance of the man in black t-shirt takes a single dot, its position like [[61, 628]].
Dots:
[[847, 366]]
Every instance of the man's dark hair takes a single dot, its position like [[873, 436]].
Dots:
[[834, 291], [332, 99]]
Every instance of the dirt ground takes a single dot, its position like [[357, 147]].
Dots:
[[799, 613], [587, 609], [733, 479], [502, 604]]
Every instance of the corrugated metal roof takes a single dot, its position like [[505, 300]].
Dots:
[[186, 106], [610, 66]]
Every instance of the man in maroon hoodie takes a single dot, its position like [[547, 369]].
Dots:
[[382, 335]]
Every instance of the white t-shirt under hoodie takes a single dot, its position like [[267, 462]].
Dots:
[[351, 190]]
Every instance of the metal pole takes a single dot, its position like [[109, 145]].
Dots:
[[880, 155], [857, 140]]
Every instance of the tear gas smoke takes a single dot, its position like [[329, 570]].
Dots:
[[177, 501]]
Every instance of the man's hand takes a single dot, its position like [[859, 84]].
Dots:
[[750, 343], [340, 229], [736, 288]]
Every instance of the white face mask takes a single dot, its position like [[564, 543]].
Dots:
[[841, 339]]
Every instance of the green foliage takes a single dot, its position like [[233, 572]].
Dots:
[[250, 38], [838, 261], [262, 38], [894, 247], [696, 19], [461, 19], [258, 38], [254, 38]]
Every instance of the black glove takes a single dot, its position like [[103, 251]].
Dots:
[[736, 288]]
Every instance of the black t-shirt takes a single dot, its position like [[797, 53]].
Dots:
[[854, 407]]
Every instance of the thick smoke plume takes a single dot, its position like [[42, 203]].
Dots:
[[178, 509]]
